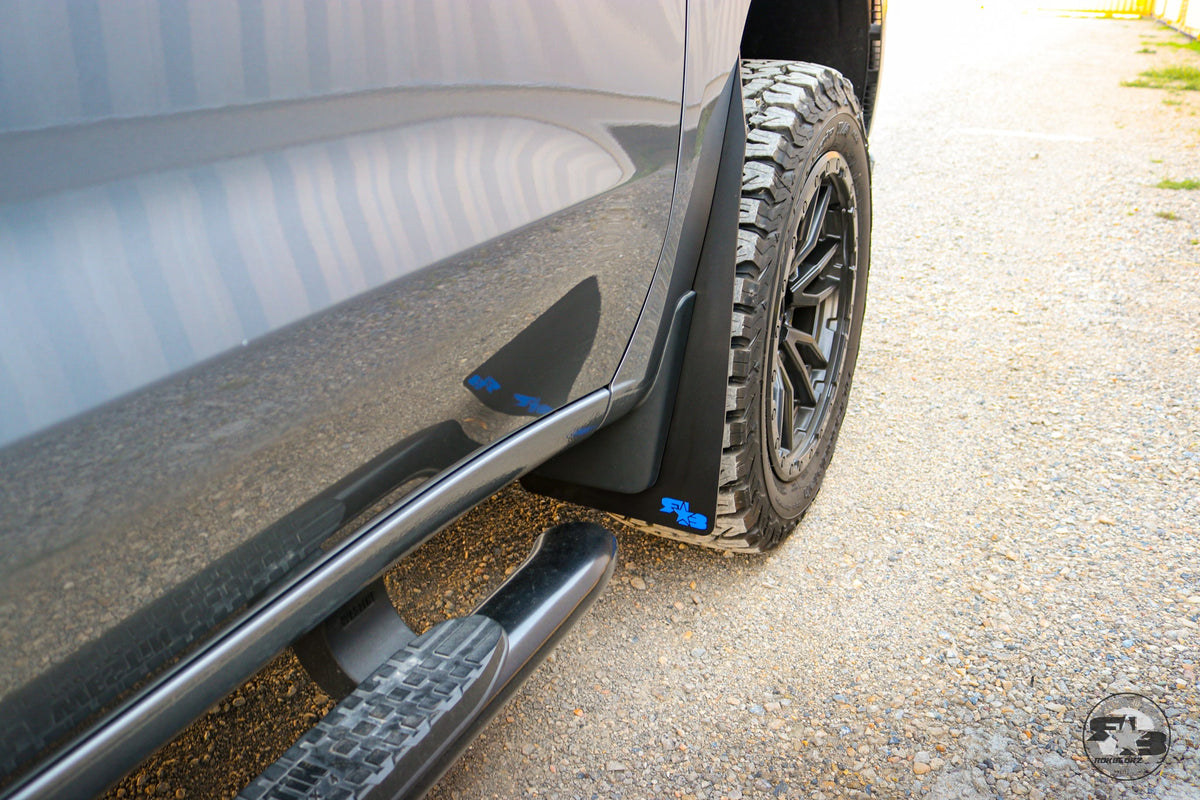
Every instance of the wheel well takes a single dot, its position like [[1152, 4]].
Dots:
[[844, 34]]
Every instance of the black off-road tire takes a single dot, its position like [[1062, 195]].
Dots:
[[806, 181]]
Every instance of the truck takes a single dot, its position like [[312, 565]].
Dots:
[[287, 288]]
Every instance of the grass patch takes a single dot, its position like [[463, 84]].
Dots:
[[1178, 77], [1169, 102], [1193, 46], [1171, 215], [1188, 184], [1147, 50]]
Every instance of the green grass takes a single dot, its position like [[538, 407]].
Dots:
[[1169, 102], [1147, 50], [1187, 183], [1192, 45], [1178, 77], [1171, 215]]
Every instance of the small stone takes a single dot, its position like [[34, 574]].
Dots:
[[637, 583], [920, 768], [238, 702], [615, 766]]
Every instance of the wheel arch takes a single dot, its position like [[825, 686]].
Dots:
[[844, 34]]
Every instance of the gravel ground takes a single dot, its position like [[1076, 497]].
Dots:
[[1008, 532]]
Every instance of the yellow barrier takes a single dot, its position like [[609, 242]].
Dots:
[[1178, 15], [1183, 15], [1108, 8]]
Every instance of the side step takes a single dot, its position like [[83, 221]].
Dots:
[[403, 726]]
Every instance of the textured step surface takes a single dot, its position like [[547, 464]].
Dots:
[[376, 739]]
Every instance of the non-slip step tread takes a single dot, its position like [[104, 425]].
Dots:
[[358, 746]]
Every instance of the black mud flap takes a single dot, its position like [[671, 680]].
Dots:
[[661, 462]]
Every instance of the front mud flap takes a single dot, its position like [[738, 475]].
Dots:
[[661, 463]]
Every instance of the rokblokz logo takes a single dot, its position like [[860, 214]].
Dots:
[[1126, 736]]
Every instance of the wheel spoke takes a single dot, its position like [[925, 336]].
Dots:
[[806, 273], [808, 348], [819, 294], [797, 367], [785, 403], [814, 221]]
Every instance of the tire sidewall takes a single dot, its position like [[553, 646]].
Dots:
[[840, 133]]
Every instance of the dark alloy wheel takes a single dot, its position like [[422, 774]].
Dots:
[[814, 316]]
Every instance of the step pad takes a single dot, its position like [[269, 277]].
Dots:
[[375, 742]]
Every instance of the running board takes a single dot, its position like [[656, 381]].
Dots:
[[403, 726]]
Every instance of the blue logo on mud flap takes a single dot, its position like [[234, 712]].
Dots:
[[683, 514], [489, 383], [532, 404]]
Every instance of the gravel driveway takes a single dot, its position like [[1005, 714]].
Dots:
[[1009, 530]]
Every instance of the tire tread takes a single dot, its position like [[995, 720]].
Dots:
[[784, 102]]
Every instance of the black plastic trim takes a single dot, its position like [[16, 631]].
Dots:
[[684, 495], [626, 455]]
